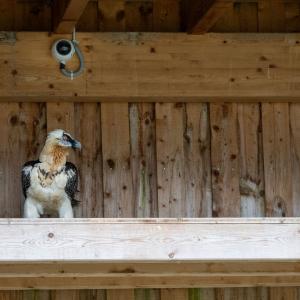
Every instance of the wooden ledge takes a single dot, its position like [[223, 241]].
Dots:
[[130, 253]]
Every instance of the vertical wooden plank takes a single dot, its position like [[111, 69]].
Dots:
[[89, 20], [251, 177], [283, 293], [117, 178], [139, 15], [170, 171], [197, 168], [225, 168], [7, 15], [118, 200], [197, 171], [294, 110], [278, 171], [166, 15], [292, 16], [89, 160], [143, 159], [295, 145], [92, 295], [111, 15], [120, 294], [10, 164], [271, 16], [224, 157], [174, 294], [60, 115], [251, 161], [36, 295], [11, 295], [277, 160], [143, 162], [32, 15], [248, 16], [242, 294], [22, 132], [170, 159]]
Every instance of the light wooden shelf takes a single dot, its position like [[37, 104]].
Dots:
[[128, 253]]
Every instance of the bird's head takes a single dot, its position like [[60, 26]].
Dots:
[[56, 148], [60, 138]]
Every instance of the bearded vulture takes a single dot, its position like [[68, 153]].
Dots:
[[50, 183]]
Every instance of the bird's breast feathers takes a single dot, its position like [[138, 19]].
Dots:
[[47, 186]]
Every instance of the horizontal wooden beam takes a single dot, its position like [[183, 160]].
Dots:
[[129, 253], [155, 67]]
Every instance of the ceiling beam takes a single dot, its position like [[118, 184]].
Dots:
[[204, 15], [67, 13], [155, 67]]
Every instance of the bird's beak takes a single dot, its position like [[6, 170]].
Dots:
[[76, 145]]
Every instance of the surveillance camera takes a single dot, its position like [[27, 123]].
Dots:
[[63, 50]]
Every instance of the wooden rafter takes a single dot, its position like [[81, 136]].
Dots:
[[67, 13], [204, 17], [128, 253]]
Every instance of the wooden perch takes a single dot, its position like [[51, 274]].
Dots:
[[130, 253]]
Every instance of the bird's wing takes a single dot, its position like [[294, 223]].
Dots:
[[72, 181], [26, 171]]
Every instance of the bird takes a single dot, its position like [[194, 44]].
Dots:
[[49, 184]]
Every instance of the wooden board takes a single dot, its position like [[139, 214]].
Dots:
[[224, 160], [181, 253], [156, 67], [117, 180], [143, 158], [117, 176]]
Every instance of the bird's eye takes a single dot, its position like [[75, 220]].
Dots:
[[65, 138]]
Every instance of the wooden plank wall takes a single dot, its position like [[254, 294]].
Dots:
[[177, 160], [144, 160]]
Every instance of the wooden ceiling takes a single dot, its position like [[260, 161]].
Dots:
[[154, 15]]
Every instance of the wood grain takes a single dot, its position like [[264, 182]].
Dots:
[[277, 160], [251, 161], [117, 178], [170, 163], [89, 160], [143, 158], [224, 160], [197, 167], [233, 252], [156, 67], [170, 170]]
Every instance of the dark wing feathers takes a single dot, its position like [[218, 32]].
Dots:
[[72, 182], [27, 167]]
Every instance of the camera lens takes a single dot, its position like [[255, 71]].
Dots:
[[63, 47]]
